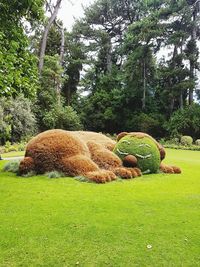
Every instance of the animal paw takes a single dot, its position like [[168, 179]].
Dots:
[[176, 169], [127, 173], [102, 176], [135, 172], [169, 169], [124, 173]]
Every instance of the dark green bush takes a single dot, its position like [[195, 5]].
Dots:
[[185, 122], [62, 117], [148, 123]]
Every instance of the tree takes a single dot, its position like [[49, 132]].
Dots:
[[50, 21], [17, 119], [185, 122], [18, 72]]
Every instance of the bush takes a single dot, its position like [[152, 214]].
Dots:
[[147, 123], [197, 142], [185, 122], [16, 119], [186, 140], [12, 166], [62, 117], [54, 174], [29, 174]]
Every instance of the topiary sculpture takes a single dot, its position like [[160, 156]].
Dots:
[[89, 154], [141, 150], [75, 153]]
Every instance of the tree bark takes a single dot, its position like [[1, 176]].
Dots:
[[181, 99], [62, 50], [62, 45], [193, 38], [144, 86], [45, 35]]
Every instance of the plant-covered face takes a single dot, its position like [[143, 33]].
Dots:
[[143, 148]]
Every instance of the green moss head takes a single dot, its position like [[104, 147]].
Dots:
[[143, 148]]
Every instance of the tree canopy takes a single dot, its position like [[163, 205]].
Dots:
[[125, 65]]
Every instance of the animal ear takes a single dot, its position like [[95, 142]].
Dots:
[[162, 152], [121, 135]]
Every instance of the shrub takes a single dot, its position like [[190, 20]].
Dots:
[[16, 119], [186, 140], [21, 146], [62, 117], [54, 174], [185, 122], [197, 142], [29, 174], [12, 148], [148, 123], [12, 166]]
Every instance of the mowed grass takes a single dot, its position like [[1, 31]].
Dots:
[[13, 154], [64, 222]]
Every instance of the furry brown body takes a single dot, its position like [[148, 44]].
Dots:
[[75, 153]]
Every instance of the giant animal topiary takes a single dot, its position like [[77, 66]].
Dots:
[[91, 155], [75, 153], [141, 150]]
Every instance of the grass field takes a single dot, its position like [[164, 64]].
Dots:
[[13, 154], [64, 222]]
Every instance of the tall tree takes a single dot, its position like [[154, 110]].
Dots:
[[18, 72], [47, 27]]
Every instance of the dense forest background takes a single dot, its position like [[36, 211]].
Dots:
[[127, 65]]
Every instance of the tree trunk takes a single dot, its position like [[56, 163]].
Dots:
[[144, 86], [171, 107], [193, 38], [109, 56], [45, 35], [62, 50], [62, 45], [181, 100]]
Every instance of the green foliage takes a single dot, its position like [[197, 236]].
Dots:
[[62, 117], [148, 123], [54, 174], [185, 122], [12, 166], [144, 149], [186, 140], [18, 67], [197, 142], [17, 119], [8, 147], [182, 147], [29, 174], [101, 111]]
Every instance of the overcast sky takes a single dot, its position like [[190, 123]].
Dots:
[[68, 12]]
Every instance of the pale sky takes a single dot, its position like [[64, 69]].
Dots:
[[68, 12]]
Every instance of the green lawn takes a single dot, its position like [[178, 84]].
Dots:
[[13, 154], [64, 222]]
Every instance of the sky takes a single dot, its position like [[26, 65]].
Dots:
[[68, 12]]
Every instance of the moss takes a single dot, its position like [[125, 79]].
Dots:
[[143, 148]]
